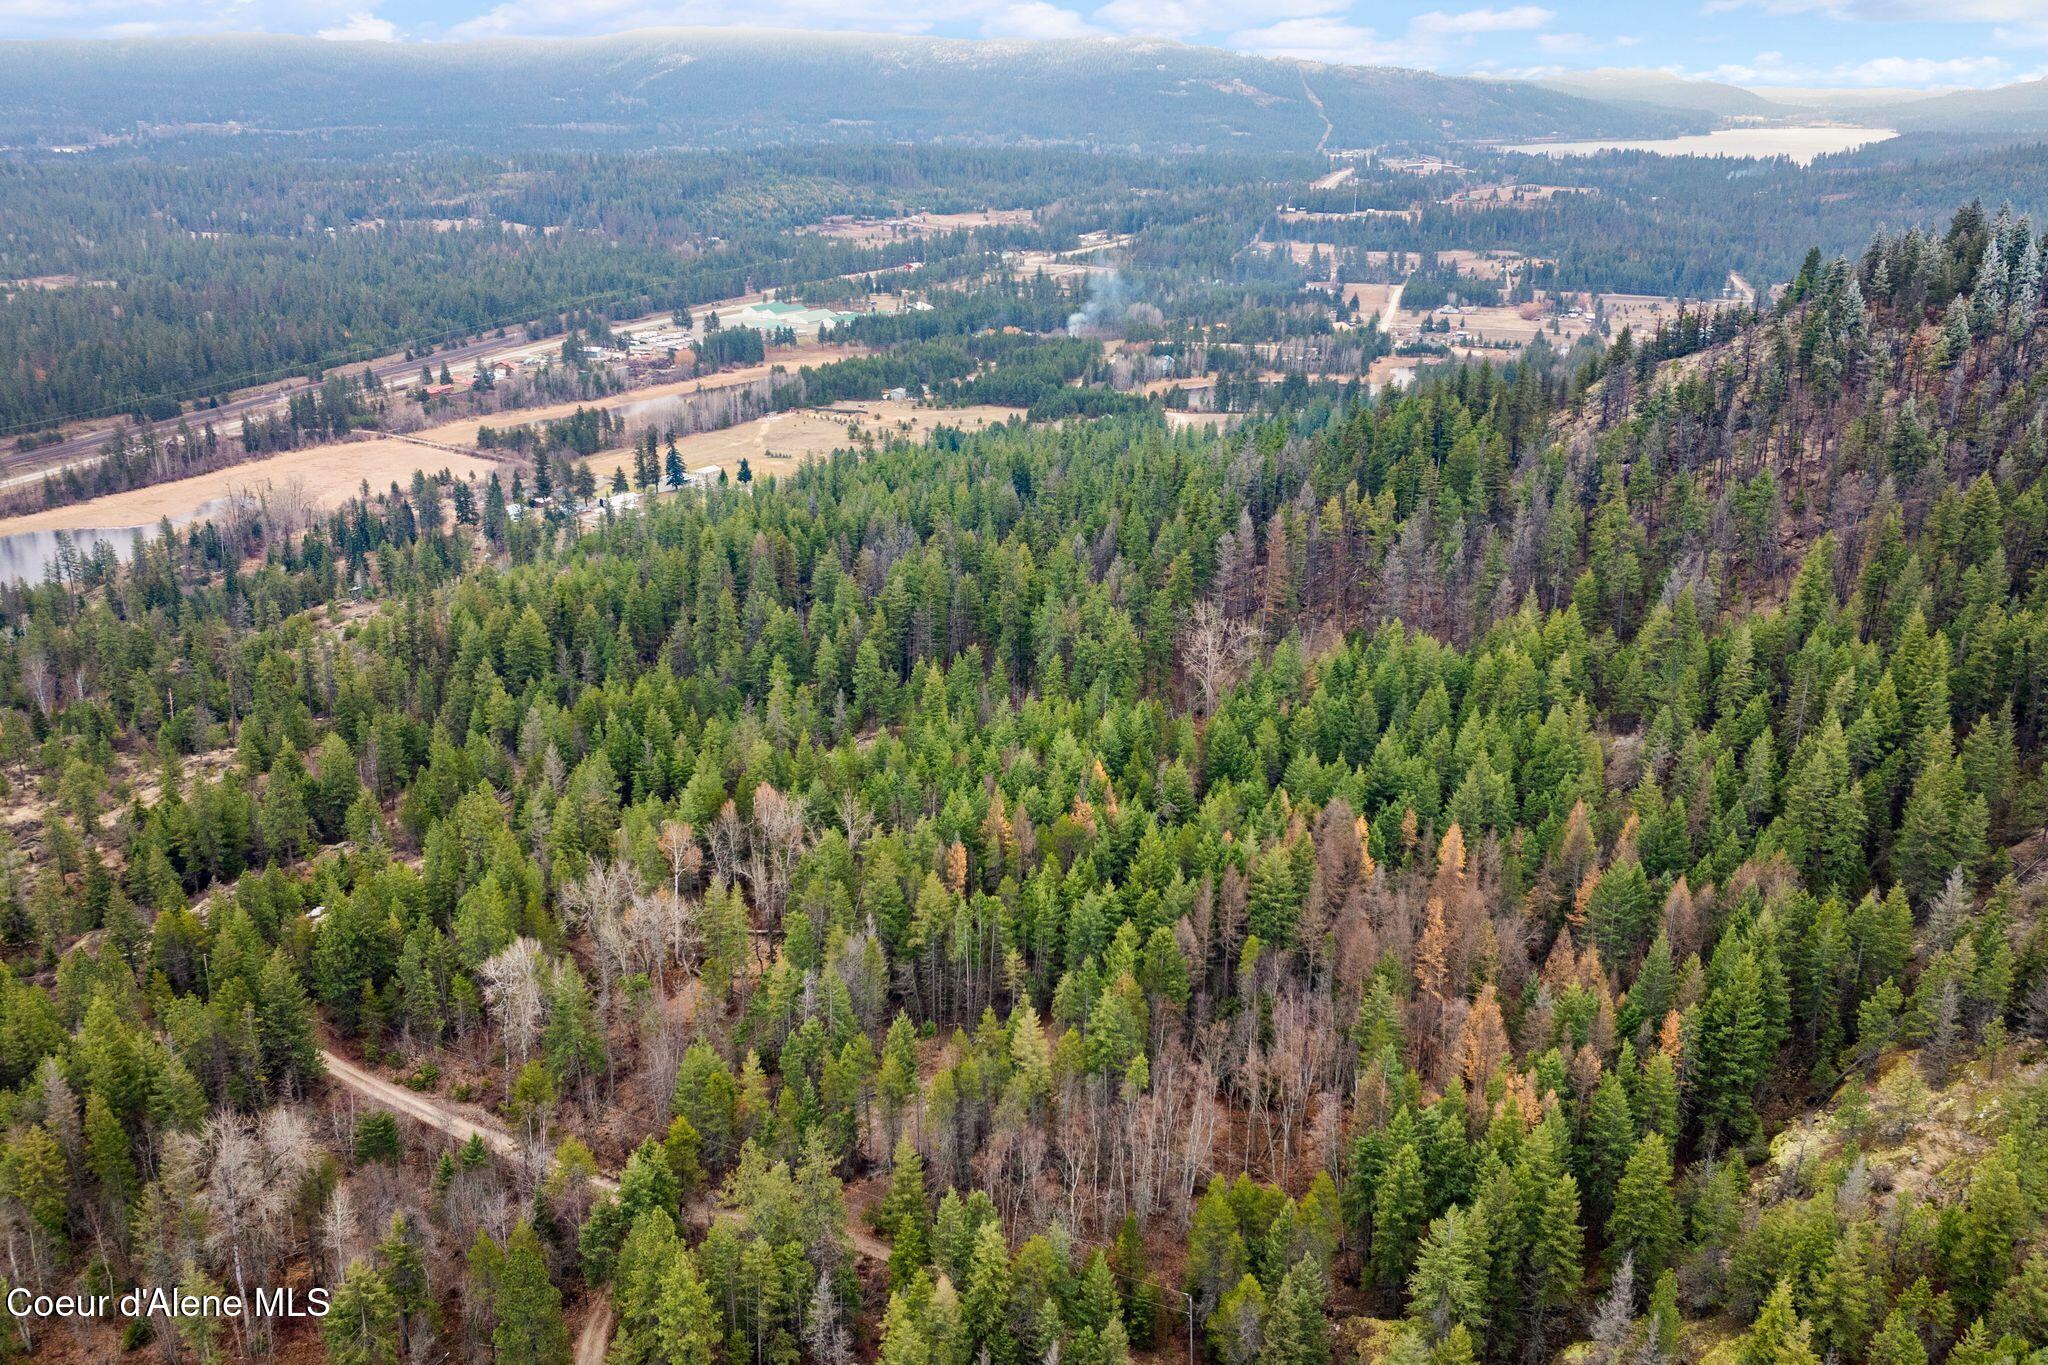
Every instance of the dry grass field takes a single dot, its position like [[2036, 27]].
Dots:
[[462, 431], [322, 476], [1310, 216], [783, 441], [875, 231], [1644, 311], [1508, 196], [1382, 299], [1504, 324]]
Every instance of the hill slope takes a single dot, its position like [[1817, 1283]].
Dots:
[[727, 87]]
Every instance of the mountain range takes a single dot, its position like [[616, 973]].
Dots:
[[737, 88]]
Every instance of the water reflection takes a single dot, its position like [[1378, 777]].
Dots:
[[27, 556]]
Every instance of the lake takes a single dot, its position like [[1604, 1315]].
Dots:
[[1802, 145]]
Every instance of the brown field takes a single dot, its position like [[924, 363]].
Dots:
[[1493, 266], [1644, 311], [328, 474], [1152, 388], [874, 231], [1306, 216], [783, 441], [1508, 196], [1374, 298], [1506, 324], [462, 431], [1057, 265], [1335, 178]]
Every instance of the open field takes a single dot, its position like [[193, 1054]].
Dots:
[[462, 431], [1644, 311], [1311, 216], [781, 442], [1514, 325], [875, 231], [1382, 299], [1493, 266], [328, 474], [1507, 196]]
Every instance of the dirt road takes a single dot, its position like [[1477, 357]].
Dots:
[[433, 1112], [439, 1114], [596, 1337]]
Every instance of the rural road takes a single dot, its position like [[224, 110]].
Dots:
[[437, 1114]]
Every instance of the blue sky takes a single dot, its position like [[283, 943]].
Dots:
[[1840, 43]]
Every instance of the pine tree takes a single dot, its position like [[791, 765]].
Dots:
[[687, 1323], [986, 1306], [1778, 1336], [361, 1326], [902, 1342], [1606, 1144], [905, 1215], [1398, 1212], [527, 1305], [1448, 1287], [1943, 828], [107, 1152], [1216, 1250], [1555, 1239], [1297, 1333], [1237, 1329], [1897, 1343], [1985, 1231], [285, 1027], [1645, 1218]]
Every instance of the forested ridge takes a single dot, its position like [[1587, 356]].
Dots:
[[1545, 862]]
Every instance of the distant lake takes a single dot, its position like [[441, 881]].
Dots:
[[1800, 144]]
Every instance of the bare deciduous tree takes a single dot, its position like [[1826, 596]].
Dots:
[[1214, 650], [513, 987]]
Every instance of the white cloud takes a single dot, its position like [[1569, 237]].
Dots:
[[1573, 44], [570, 18], [1037, 20], [1773, 69], [1516, 20], [1189, 18], [1320, 40], [361, 28], [1429, 40], [1893, 11], [160, 18]]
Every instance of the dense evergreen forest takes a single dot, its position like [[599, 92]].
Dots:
[[166, 283], [1547, 861]]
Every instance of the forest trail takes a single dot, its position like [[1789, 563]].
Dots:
[[596, 1337], [440, 1115]]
